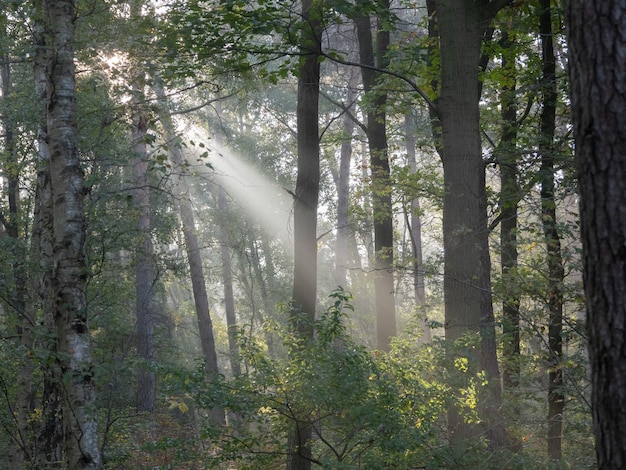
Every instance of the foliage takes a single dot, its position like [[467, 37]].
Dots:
[[368, 409]]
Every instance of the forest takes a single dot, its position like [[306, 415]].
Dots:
[[338, 234]]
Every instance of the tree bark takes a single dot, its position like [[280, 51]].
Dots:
[[49, 436], [304, 297], [69, 271], [467, 282], [556, 272], [379, 171], [596, 39], [144, 278]]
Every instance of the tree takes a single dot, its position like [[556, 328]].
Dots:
[[462, 26], [415, 233], [596, 33], [192, 247], [69, 272], [304, 296], [556, 271], [144, 302], [373, 58]]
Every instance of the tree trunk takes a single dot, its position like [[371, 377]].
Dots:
[[268, 306], [596, 32], [304, 297], [467, 282], [507, 158], [380, 172], [343, 188], [192, 247], [227, 279], [556, 272], [144, 301], [49, 436], [69, 270], [415, 228], [16, 295]]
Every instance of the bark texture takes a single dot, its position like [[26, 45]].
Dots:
[[69, 271], [49, 436], [597, 47], [462, 25]]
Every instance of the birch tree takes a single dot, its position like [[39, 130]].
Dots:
[[69, 272]]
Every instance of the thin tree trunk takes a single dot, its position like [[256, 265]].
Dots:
[[69, 270], [343, 188], [144, 301], [304, 297], [192, 247], [419, 287], [17, 299], [556, 272], [596, 32], [49, 440], [380, 172], [227, 269], [509, 198], [227, 279]]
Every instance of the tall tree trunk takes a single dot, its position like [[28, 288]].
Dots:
[[227, 279], [467, 280], [49, 440], [144, 251], [556, 272], [343, 188], [18, 454], [144, 278], [268, 306], [304, 297], [192, 247], [380, 171], [506, 155], [415, 227], [596, 40], [229, 298], [227, 269], [69, 270]]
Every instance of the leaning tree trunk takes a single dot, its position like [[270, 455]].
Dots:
[[304, 296], [556, 272], [380, 172], [467, 278], [192, 247], [69, 273], [596, 40]]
